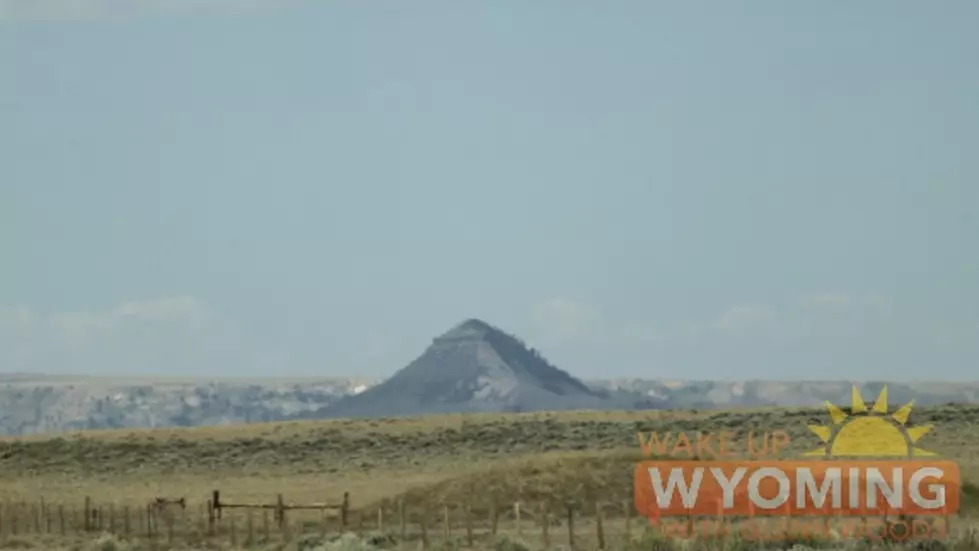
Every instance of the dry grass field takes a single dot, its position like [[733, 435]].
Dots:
[[479, 460]]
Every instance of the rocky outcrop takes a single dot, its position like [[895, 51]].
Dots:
[[54, 404], [472, 367]]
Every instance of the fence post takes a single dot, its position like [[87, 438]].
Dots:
[[169, 521], [945, 519], [201, 516], [516, 518], [571, 526], [445, 523], [344, 510], [210, 517], [250, 527], [600, 526], [280, 511], [404, 519], [149, 521], [627, 511], [545, 526], [494, 517], [424, 528], [216, 502]]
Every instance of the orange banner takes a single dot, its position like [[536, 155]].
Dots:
[[789, 488]]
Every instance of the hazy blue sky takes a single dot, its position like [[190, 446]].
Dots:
[[685, 190]]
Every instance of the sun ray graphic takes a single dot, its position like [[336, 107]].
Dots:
[[869, 434]]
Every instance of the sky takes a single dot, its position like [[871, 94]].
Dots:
[[678, 190]]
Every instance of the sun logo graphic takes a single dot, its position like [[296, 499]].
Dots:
[[871, 433], [868, 466]]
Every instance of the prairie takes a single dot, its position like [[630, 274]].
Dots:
[[482, 460]]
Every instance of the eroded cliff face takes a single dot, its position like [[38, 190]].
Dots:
[[53, 404], [38, 404]]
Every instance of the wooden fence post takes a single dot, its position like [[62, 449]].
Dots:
[[201, 520], [516, 518], [627, 511], [280, 511], [494, 518], [210, 517], [600, 526], [424, 527], [250, 526], [344, 510], [545, 526], [445, 523], [404, 519], [149, 521], [571, 526], [12, 513]]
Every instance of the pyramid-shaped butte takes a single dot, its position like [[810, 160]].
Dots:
[[473, 367]]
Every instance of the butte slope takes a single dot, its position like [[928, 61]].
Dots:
[[473, 367]]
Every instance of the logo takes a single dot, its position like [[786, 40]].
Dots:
[[869, 465], [873, 435]]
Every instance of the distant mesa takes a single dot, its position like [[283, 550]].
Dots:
[[472, 367]]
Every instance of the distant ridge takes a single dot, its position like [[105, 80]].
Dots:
[[473, 367]]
